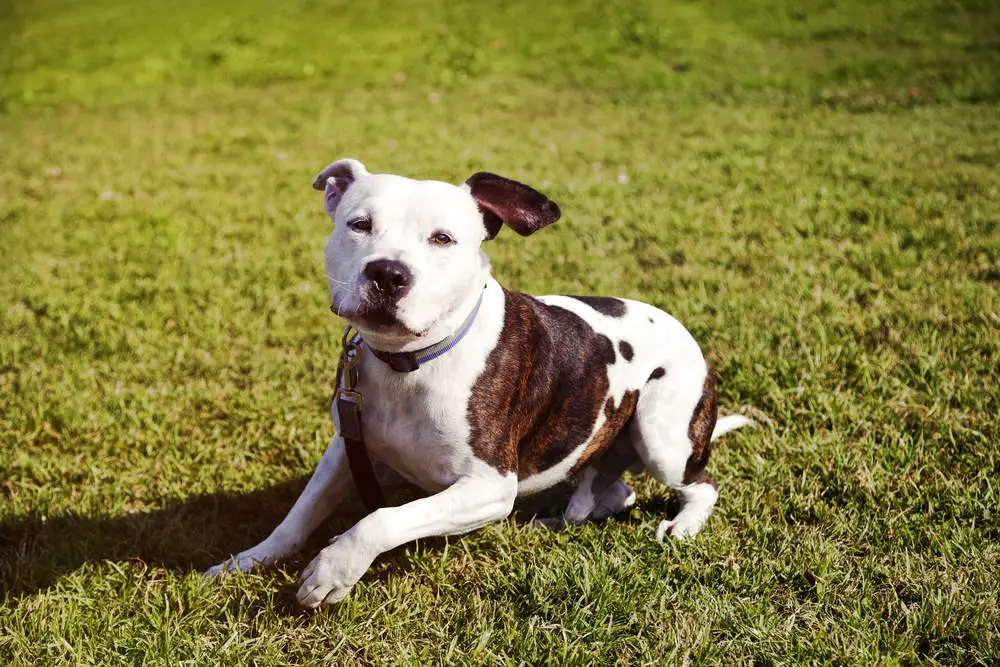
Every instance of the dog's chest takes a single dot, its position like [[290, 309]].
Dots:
[[419, 426]]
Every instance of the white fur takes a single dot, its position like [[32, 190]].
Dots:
[[405, 214], [698, 501], [474, 500], [730, 423], [418, 422]]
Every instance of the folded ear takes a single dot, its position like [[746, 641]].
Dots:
[[506, 202], [336, 178]]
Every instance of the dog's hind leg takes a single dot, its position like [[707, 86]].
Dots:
[[601, 492], [669, 438], [672, 433], [615, 500]]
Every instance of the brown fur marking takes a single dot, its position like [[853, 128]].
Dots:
[[538, 399], [700, 431], [605, 305], [614, 422], [607, 349]]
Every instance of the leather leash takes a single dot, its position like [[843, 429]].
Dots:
[[347, 402]]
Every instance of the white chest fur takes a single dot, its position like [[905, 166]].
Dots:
[[418, 422]]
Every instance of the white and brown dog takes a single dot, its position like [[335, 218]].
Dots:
[[479, 395]]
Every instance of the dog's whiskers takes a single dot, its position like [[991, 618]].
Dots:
[[333, 280]]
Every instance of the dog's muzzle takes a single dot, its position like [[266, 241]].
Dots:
[[384, 283]]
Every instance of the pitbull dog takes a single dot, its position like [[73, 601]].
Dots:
[[518, 393]]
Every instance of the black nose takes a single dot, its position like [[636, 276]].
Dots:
[[389, 276]]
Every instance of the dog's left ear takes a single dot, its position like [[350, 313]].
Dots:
[[506, 202], [336, 178]]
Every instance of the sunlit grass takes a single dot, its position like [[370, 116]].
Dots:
[[813, 189]]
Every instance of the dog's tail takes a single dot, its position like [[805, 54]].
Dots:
[[730, 423]]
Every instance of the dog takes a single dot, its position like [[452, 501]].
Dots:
[[479, 395]]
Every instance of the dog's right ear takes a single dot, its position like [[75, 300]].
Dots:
[[336, 178]]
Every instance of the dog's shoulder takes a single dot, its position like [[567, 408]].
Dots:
[[545, 384]]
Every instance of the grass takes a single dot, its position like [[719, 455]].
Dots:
[[813, 188]]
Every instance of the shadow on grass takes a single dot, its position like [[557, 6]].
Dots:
[[190, 534], [196, 533]]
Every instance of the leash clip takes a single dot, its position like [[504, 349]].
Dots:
[[347, 367], [346, 409]]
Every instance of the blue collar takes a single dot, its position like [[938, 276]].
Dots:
[[407, 362]]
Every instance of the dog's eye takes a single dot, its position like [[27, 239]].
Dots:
[[440, 238], [360, 224]]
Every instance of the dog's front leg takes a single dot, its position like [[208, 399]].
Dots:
[[329, 484], [470, 503]]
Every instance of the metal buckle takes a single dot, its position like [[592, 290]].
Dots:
[[350, 357], [348, 395], [347, 371]]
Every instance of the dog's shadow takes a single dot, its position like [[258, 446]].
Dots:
[[190, 534]]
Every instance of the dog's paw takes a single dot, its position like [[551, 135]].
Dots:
[[679, 529], [615, 500], [261, 555], [242, 562], [322, 585], [330, 576]]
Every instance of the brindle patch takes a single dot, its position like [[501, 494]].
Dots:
[[700, 431], [626, 349], [657, 373], [605, 305], [614, 422], [538, 398], [607, 349]]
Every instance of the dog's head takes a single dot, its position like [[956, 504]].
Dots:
[[404, 257]]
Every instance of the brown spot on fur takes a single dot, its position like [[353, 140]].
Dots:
[[605, 305], [700, 431], [538, 397], [657, 373], [626, 349]]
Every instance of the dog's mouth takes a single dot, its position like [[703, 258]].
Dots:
[[377, 316]]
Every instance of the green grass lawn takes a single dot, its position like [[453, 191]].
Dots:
[[813, 188]]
